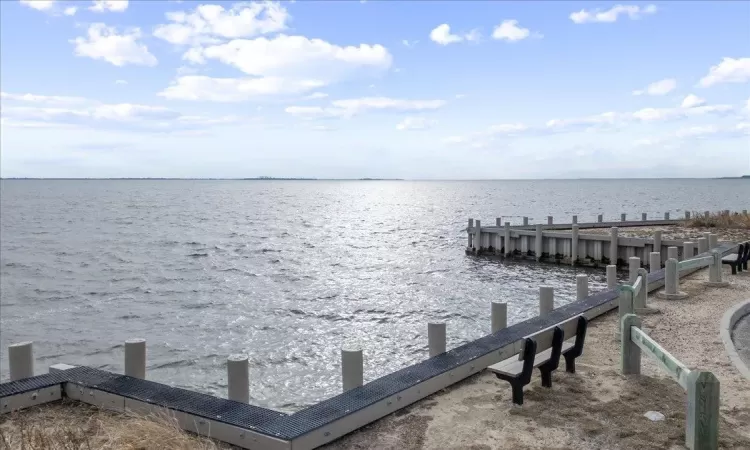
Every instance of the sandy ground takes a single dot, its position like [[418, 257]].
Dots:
[[596, 408], [676, 232]]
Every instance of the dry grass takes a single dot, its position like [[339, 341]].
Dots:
[[721, 219], [69, 425]]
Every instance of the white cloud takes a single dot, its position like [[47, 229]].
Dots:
[[415, 123], [350, 107], [441, 34], [315, 96], [206, 23], [729, 70], [56, 111], [121, 82], [692, 101], [201, 87], [611, 15], [658, 114], [281, 65], [103, 42], [697, 131], [661, 87], [109, 5], [409, 44], [39, 5], [460, 96], [70, 10], [509, 31]]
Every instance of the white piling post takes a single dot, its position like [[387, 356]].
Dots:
[[575, 219], [613, 246], [582, 286], [687, 215], [135, 358], [744, 212], [657, 243], [478, 235], [600, 218], [21, 360], [630, 353], [702, 245], [634, 263], [499, 315], [468, 232], [574, 245], [707, 214], [538, 243], [611, 276], [672, 253], [714, 271], [549, 220], [436, 338], [640, 303], [546, 300], [352, 368], [654, 261], [623, 217], [666, 216], [671, 282], [688, 250], [644, 216], [525, 221], [506, 239], [713, 241], [238, 378], [498, 221]]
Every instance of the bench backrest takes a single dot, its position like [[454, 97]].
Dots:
[[744, 257], [546, 338]]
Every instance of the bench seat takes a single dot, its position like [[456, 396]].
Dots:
[[738, 261]]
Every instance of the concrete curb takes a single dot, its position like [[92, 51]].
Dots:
[[731, 317]]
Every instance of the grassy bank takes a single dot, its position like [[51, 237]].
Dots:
[[722, 219]]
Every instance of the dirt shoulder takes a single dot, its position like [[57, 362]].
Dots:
[[670, 232], [594, 408]]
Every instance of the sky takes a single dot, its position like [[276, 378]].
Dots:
[[350, 89]]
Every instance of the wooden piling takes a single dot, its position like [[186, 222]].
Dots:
[[574, 245], [702, 427], [499, 316], [135, 358], [613, 246], [546, 300], [352, 368], [238, 378], [436, 338], [582, 286], [21, 360]]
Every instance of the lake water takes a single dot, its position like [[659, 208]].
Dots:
[[284, 271]]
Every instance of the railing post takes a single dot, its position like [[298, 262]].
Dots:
[[714, 271], [644, 216], [499, 222], [624, 307], [574, 218], [478, 235], [611, 276], [525, 221], [672, 253], [436, 338], [135, 358], [238, 378], [574, 245], [582, 286], [623, 217], [630, 353], [702, 426], [21, 360], [546, 300], [654, 261], [549, 220], [640, 303], [688, 250], [506, 239], [634, 263], [499, 313], [600, 218], [666, 216], [352, 368], [538, 243], [671, 282], [657, 243], [613, 246], [468, 233]]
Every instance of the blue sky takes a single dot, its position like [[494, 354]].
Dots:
[[427, 90]]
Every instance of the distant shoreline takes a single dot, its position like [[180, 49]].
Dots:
[[743, 177]]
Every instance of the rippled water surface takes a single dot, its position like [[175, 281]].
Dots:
[[284, 271]]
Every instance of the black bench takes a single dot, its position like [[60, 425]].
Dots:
[[738, 261], [565, 339]]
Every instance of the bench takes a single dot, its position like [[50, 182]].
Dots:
[[565, 339], [738, 261]]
